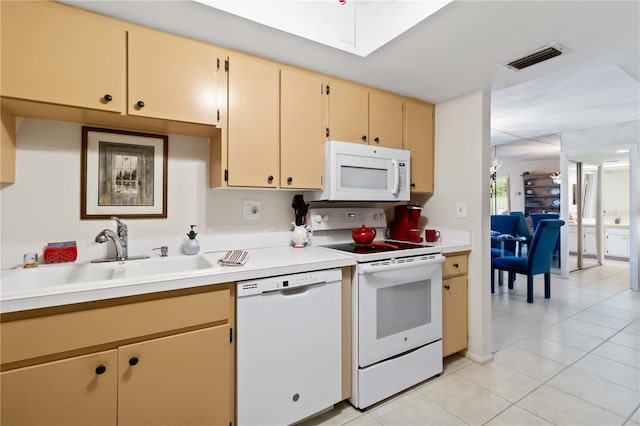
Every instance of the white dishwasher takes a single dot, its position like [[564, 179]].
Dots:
[[289, 348]]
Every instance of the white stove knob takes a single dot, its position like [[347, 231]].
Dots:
[[376, 217], [325, 218], [318, 218]]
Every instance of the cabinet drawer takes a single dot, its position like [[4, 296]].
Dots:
[[454, 265], [45, 335]]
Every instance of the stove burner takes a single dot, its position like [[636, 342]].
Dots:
[[375, 247]]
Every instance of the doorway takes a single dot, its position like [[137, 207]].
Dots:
[[584, 215]]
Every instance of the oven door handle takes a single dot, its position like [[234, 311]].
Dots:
[[373, 267]]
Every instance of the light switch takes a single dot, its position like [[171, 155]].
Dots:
[[461, 209]]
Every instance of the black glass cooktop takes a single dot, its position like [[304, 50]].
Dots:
[[376, 247]]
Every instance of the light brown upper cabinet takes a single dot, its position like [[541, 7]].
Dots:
[[348, 112], [171, 77], [385, 120], [62, 55], [253, 116], [357, 114], [418, 138], [301, 129]]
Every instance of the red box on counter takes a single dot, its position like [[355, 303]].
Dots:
[[60, 252]]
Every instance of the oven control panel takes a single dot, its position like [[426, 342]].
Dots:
[[346, 218]]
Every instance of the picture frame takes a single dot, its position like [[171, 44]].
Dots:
[[123, 174]]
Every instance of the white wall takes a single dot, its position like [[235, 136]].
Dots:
[[615, 194], [462, 175], [514, 170], [44, 204]]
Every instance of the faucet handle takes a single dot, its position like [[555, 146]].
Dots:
[[164, 250]]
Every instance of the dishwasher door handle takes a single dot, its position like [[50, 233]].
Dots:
[[294, 291]]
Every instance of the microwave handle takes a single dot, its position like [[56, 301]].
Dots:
[[396, 177]]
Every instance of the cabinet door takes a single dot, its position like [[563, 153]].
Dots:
[[454, 314], [573, 239], [68, 392], [176, 380], [253, 117], [590, 246], [616, 244], [301, 130], [62, 55], [348, 112], [418, 138], [385, 120], [174, 78]]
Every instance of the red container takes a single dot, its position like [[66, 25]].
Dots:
[[60, 252]]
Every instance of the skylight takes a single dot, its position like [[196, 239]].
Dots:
[[354, 26]]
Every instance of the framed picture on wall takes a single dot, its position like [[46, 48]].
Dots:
[[123, 174]]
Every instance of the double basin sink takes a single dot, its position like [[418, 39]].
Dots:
[[45, 276]]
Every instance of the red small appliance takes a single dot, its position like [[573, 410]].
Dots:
[[405, 224]]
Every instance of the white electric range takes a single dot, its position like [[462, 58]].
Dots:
[[396, 304]]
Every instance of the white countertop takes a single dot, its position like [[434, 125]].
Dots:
[[36, 292], [262, 262]]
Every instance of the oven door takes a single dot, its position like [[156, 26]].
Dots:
[[399, 306]]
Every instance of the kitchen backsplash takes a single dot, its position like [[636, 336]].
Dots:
[[44, 204]]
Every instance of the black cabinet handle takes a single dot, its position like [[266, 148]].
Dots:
[[140, 104], [289, 180], [100, 369], [447, 287], [107, 98], [133, 360], [455, 265], [270, 178], [377, 140], [364, 138]]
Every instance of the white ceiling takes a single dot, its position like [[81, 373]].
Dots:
[[460, 49]]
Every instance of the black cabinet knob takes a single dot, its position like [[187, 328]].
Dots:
[[413, 185], [364, 138], [289, 180], [107, 98], [377, 140], [140, 104], [270, 178], [447, 287], [133, 360], [100, 369], [455, 265]]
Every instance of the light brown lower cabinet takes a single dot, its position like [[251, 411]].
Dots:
[[454, 303], [179, 372], [74, 391]]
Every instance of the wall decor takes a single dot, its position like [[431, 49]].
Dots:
[[123, 174]]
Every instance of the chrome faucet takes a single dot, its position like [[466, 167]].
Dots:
[[119, 239]]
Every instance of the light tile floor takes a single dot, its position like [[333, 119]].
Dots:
[[571, 360]]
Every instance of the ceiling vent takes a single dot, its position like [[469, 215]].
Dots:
[[537, 56]]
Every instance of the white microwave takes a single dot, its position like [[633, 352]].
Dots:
[[356, 172]]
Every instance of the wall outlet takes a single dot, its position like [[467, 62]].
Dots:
[[461, 209], [251, 209]]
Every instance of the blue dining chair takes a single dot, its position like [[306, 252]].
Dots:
[[536, 218], [504, 225], [537, 262], [523, 228]]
